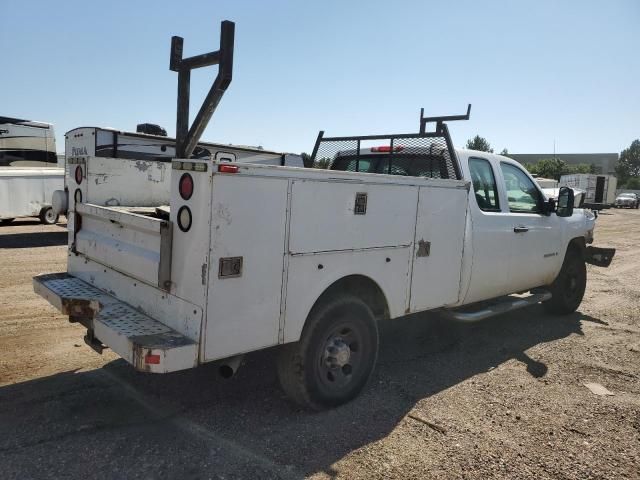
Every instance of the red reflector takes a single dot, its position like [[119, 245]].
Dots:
[[186, 186], [152, 359], [78, 175], [228, 168], [386, 148]]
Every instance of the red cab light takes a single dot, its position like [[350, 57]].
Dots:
[[386, 149], [152, 359], [226, 168], [79, 175], [185, 186]]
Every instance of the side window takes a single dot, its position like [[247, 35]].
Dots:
[[484, 185], [522, 194]]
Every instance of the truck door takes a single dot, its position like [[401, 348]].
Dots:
[[536, 238], [491, 234]]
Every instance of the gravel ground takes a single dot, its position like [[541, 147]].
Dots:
[[504, 398]]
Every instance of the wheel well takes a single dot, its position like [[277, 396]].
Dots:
[[362, 287], [577, 244]]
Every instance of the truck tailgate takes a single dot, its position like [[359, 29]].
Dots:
[[136, 245]]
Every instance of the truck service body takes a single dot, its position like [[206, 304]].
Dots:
[[248, 256]]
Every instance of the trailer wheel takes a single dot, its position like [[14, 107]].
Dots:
[[568, 288], [47, 216], [335, 356], [6, 221]]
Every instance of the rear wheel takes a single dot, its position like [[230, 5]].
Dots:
[[6, 221], [335, 356], [47, 216], [568, 288]]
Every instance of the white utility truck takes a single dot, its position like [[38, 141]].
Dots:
[[254, 256], [27, 192]]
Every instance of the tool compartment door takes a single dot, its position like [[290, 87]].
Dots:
[[248, 225], [133, 244], [438, 249]]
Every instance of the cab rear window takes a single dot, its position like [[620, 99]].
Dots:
[[430, 166]]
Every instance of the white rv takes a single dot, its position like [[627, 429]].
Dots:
[[115, 179], [24, 143]]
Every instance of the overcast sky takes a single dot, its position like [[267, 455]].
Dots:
[[534, 71]]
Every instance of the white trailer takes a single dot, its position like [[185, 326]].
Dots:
[[27, 192], [600, 190], [124, 160]]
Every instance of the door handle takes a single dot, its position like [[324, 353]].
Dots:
[[520, 229]]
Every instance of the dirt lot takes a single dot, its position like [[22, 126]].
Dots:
[[501, 399]]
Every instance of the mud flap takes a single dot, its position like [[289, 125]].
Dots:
[[600, 257]]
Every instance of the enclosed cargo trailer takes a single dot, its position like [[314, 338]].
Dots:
[[27, 192]]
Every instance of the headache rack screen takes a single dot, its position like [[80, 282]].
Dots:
[[423, 154]]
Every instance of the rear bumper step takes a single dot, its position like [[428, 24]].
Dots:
[[498, 306], [146, 343]]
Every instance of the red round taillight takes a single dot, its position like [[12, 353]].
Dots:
[[185, 186], [184, 218], [79, 174]]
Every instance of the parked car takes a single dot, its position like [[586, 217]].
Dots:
[[627, 200]]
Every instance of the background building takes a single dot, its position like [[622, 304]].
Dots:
[[603, 162]]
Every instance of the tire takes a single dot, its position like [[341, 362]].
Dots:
[[47, 217], [6, 221], [335, 356], [568, 288]]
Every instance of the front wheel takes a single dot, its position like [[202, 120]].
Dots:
[[568, 288], [47, 216], [335, 356]]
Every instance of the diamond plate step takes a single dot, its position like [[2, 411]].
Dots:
[[146, 343]]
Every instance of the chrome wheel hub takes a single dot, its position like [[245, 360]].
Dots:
[[337, 353]]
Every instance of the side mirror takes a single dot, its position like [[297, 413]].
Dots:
[[565, 202]]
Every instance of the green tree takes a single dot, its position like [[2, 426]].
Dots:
[[633, 183], [479, 143], [306, 160], [504, 152], [549, 168], [582, 168], [629, 163], [322, 163]]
